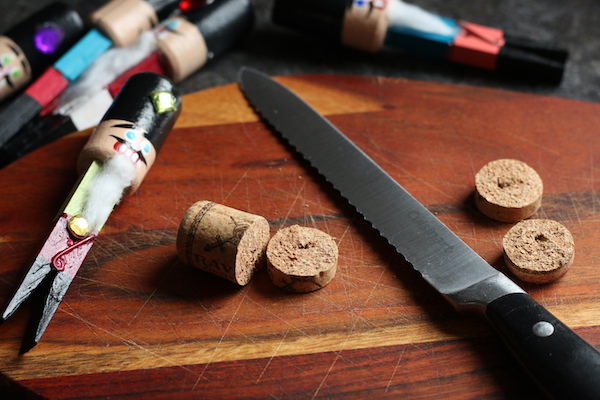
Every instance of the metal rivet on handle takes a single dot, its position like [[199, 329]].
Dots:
[[543, 329], [78, 226]]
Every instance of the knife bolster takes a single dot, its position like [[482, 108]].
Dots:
[[477, 297]]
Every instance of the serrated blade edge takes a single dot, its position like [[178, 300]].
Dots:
[[442, 258]]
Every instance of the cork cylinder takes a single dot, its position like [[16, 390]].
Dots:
[[223, 241], [31, 46], [301, 259], [538, 250], [137, 123], [508, 190]]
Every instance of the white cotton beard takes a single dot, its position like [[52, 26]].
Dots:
[[106, 190], [410, 16], [103, 71]]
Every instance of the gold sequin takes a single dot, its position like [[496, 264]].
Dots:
[[163, 102]]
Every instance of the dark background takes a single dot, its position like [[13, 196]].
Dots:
[[573, 24]]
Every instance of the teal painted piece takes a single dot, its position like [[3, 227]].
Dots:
[[75, 61], [422, 43]]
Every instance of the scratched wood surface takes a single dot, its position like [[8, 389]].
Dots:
[[136, 323]]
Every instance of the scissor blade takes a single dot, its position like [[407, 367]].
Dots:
[[36, 274], [58, 289], [41, 267], [65, 263]]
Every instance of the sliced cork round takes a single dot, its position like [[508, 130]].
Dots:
[[538, 250], [223, 241], [301, 259], [508, 190]]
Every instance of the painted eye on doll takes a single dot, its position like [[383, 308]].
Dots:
[[130, 135], [6, 59], [172, 24], [146, 148], [15, 73]]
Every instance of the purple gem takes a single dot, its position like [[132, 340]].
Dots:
[[47, 39]]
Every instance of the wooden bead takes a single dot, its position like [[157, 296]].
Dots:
[[364, 28], [508, 190], [301, 259], [223, 241], [124, 20], [538, 250], [182, 47], [109, 138], [15, 67]]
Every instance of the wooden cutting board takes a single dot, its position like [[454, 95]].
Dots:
[[136, 323]]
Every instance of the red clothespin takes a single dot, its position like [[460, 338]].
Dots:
[[477, 45]]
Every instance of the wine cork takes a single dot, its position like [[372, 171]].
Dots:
[[538, 250], [508, 190], [301, 259], [364, 26], [223, 241]]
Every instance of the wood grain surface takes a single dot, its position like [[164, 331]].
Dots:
[[136, 323]]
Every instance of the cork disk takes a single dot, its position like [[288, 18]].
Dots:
[[538, 250], [223, 241], [301, 259], [508, 190]]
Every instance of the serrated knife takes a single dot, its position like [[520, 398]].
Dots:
[[560, 361]]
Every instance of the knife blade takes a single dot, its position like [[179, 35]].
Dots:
[[561, 362]]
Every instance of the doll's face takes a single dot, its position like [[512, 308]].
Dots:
[[132, 142], [371, 3], [14, 68]]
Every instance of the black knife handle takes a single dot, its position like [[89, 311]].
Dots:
[[560, 361]]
